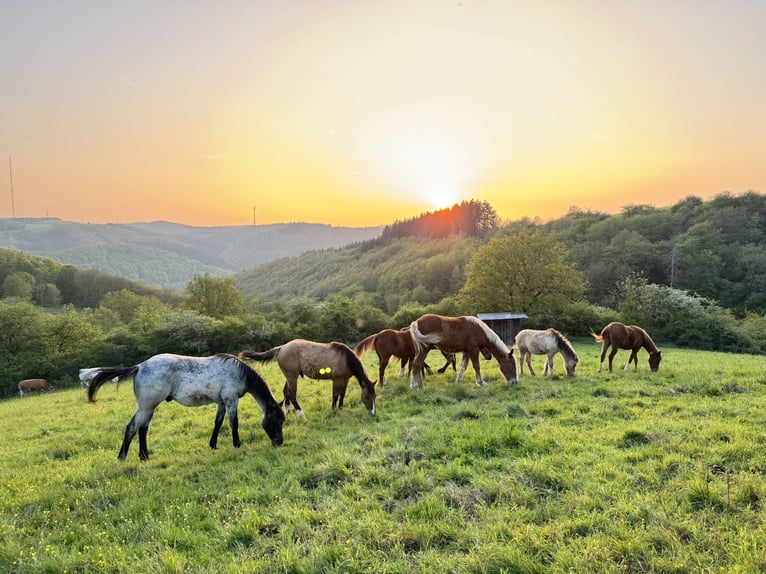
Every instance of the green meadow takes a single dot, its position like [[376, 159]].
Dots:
[[623, 472]]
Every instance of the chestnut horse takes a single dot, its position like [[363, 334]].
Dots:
[[631, 337], [334, 361], [467, 335], [548, 342], [390, 343]]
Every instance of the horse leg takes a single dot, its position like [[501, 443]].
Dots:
[[383, 362], [231, 410], [416, 370], [548, 368], [477, 368], [339, 392], [604, 347], [219, 413], [612, 353], [291, 395], [139, 423], [528, 356], [450, 361], [463, 367], [633, 358]]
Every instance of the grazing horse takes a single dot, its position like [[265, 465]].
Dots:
[[631, 337], [469, 335], [548, 342], [389, 343], [192, 381], [334, 361], [40, 385]]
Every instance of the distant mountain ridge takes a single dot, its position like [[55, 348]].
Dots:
[[166, 254]]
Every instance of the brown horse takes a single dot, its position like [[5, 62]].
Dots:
[[548, 342], [40, 385], [390, 343], [467, 335], [334, 361], [631, 337]]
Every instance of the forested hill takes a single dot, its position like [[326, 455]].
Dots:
[[715, 249], [167, 254]]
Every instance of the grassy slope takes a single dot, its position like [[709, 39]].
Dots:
[[600, 473]]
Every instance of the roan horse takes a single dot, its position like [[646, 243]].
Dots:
[[40, 385], [334, 361], [548, 342], [390, 343], [631, 337], [192, 381], [469, 335]]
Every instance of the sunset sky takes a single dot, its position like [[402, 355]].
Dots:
[[362, 112]]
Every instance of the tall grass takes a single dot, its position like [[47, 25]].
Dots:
[[623, 472]]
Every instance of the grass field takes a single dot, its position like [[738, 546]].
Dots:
[[623, 472]]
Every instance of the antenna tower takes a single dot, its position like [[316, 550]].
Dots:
[[10, 172]]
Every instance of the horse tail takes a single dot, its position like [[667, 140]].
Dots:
[[421, 340], [108, 373], [599, 338], [264, 357], [365, 345]]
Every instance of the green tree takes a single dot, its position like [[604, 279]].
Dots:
[[527, 273], [213, 296], [69, 331], [19, 284]]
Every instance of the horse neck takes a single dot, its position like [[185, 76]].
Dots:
[[648, 344]]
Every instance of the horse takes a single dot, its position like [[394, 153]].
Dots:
[[548, 342], [390, 343], [40, 385], [334, 361], [192, 381], [469, 335], [631, 337], [86, 376]]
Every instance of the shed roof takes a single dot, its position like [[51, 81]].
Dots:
[[501, 316]]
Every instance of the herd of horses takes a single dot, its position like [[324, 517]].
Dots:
[[224, 379]]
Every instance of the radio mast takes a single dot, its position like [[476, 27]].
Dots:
[[10, 173]]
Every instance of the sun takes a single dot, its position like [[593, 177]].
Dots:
[[442, 198]]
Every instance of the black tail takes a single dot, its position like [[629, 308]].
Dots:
[[107, 373], [263, 357]]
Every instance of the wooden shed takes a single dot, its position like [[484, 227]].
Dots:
[[506, 325]]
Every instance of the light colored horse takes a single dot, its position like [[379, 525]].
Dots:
[[192, 381], [631, 337], [330, 361], [467, 335], [40, 385], [548, 342]]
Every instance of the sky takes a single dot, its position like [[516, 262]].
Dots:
[[363, 112]]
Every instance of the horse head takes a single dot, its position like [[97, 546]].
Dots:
[[654, 361], [368, 396], [508, 368]]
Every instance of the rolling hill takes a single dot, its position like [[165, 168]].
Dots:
[[166, 254]]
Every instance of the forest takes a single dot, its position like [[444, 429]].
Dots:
[[693, 274]]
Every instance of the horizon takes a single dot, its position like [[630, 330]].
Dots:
[[362, 114]]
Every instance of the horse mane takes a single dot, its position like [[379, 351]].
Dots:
[[563, 344], [492, 337], [354, 363], [648, 343], [253, 381]]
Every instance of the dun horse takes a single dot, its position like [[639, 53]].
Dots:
[[40, 385], [389, 343], [467, 335], [548, 342], [192, 381], [631, 337], [333, 361]]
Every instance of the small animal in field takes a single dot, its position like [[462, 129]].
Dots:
[[631, 337], [192, 381], [399, 344], [331, 361], [467, 335], [40, 385], [547, 342]]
